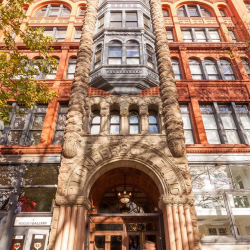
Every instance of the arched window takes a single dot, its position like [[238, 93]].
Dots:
[[195, 69], [165, 13], [153, 122], [150, 56], [176, 69], [81, 11], [211, 69], [52, 10], [246, 66], [98, 56], [192, 11], [114, 122], [95, 122], [132, 52], [134, 126], [115, 53], [71, 68], [223, 13], [227, 70]]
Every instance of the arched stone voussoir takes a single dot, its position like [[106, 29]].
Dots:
[[167, 175]]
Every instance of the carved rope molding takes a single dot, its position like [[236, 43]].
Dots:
[[171, 110]]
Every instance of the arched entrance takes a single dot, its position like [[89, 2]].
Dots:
[[114, 225]]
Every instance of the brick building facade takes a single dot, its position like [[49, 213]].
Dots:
[[117, 131]]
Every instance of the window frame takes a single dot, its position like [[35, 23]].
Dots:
[[201, 69], [206, 32], [155, 114], [48, 8], [95, 113], [134, 113], [175, 61], [129, 46], [127, 21], [198, 8], [115, 113], [233, 75], [113, 45], [246, 65], [70, 62]]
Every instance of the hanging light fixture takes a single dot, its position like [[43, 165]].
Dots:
[[124, 197]]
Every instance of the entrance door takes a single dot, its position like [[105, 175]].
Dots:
[[136, 241]]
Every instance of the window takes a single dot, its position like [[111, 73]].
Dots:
[[170, 35], [150, 56], [226, 123], [115, 53], [133, 52], [226, 199], [78, 34], [210, 124], [95, 125], [54, 11], [192, 11], [116, 19], [131, 19], [134, 122], [26, 128], [38, 63], [146, 21], [57, 33], [114, 122], [176, 69], [100, 23], [98, 56], [81, 12], [223, 13], [232, 35], [153, 122], [211, 69], [246, 65], [195, 69], [200, 35], [226, 70], [60, 124], [188, 131], [71, 68], [165, 13]]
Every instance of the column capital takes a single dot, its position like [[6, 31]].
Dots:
[[73, 200], [175, 201]]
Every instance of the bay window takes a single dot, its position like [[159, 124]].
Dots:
[[150, 56], [132, 52], [116, 19], [147, 24], [115, 53], [131, 19]]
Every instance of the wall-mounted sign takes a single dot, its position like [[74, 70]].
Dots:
[[17, 242], [32, 221]]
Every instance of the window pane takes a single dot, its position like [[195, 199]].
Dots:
[[58, 137], [134, 129], [241, 176], [205, 13], [95, 129], [213, 137], [186, 121], [19, 121], [170, 36], [211, 68], [152, 119], [133, 52], [189, 137], [99, 242], [60, 124], [153, 129], [115, 119], [115, 61], [8, 175], [114, 129], [36, 200], [116, 242], [241, 212], [14, 137], [115, 52], [72, 68], [214, 34], [228, 121], [66, 12], [200, 35], [116, 16], [200, 178], [181, 12], [133, 61], [133, 119], [38, 122], [41, 13], [212, 215], [245, 120], [116, 24], [195, 69], [96, 120], [186, 34], [131, 16], [232, 137], [209, 121], [41, 175], [4, 198], [193, 11], [34, 137]]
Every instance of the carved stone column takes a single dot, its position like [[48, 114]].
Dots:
[[180, 231], [104, 121], [144, 119], [171, 111], [124, 113]]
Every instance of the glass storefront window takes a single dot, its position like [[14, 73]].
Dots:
[[8, 175], [240, 204], [36, 200], [200, 178], [241, 175], [212, 215], [41, 175]]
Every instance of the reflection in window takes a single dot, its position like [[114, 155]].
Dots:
[[71, 68], [146, 21], [116, 19], [100, 23], [115, 53], [134, 122], [38, 64], [8, 175], [211, 69], [227, 70], [188, 131], [95, 122], [243, 112], [98, 56], [153, 122], [246, 65], [133, 52], [131, 19], [36, 200], [150, 56], [211, 210], [176, 69], [60, 125], [114, 122], [241, 176], [4, 198], [195, 69], [54, 11]]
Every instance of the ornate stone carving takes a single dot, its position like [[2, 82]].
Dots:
[[73, 200], [71, 145], [175, 200]]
